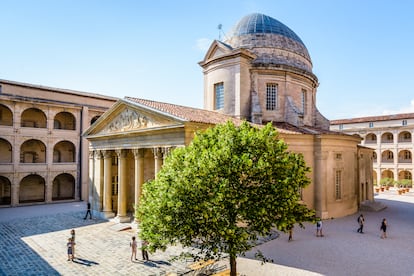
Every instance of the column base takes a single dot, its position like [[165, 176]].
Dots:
[[122, 219], [107, 214]]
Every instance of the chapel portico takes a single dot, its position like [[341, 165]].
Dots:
[[118, 176], [128, 146]]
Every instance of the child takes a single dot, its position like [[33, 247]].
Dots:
[[72, 233], [144, 251], [69, 245], [133, 245]]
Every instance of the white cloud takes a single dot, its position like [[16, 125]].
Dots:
[[203, 44], [403, 109]]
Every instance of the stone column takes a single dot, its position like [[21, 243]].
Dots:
[[14, 193], [139, 173], [96, 204], [158, 160], [122, 186], [107, 201], [49, 187], [91, 195]]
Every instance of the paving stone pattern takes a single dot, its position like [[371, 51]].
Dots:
[[37, 246]]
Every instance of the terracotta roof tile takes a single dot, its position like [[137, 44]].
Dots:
[[185, 113], [373, 118]]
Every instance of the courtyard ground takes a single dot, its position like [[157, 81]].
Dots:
[[33, 242]]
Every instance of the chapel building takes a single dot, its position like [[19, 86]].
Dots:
[[261, 72]]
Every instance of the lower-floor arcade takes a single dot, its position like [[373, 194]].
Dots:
[[37, 188]]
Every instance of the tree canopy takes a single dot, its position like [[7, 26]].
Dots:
[[231, 185]]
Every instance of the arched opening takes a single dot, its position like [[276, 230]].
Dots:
[[387, 174], [64, 120], [33, 151], [371, 138], [404, 156], [5, 191], [404, 137], [387, 138], [64, 152], [33, 117], [94, 119], [387, 157], [405, 179], [6, 116], [6, 152], [63, 187], [32, 189]]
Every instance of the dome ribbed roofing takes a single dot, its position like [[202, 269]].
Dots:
[[257, 23], [272, 42]]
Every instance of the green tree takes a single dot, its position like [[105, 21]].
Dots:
[[231, 185]]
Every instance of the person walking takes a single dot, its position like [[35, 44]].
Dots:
[[133, 245], [361, 221], [319, 228], [383, 228], [144, 251], [290, 233], [88, 211]]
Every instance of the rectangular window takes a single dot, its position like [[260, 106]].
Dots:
[[271, 96], [303, 101], [371, 124], [338, 184], [219, 95], [114, 185], [114, 160], [404, 122]]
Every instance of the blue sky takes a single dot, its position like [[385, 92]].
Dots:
[[362, 51]]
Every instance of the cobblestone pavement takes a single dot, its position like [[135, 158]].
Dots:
[[36, 245], [33, 242]]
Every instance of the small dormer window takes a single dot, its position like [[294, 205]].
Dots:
[[219, 95]]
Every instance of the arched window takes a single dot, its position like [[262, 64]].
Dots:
[[6, 116], [5, 191], [33, 117], [63, 187], [64, 152], [64, 120], [33, 151], [32, 189], [6, 152]]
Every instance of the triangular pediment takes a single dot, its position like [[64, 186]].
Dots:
[[125, 117], [217, 49]]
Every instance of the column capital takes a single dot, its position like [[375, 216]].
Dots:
[[157, 152], [122, 153], [97, 154], [138, 153], [106, 153]]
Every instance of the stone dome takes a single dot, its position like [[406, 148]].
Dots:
[[272, 42]]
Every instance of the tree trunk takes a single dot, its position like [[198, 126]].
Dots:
[[233, 271]]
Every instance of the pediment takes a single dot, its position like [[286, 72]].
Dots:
[[124, 117], [217, 49]]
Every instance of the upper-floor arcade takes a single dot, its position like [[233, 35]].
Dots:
[[36, 117]]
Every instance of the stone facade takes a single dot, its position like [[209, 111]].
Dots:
[[390, 137], [43, 156]]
